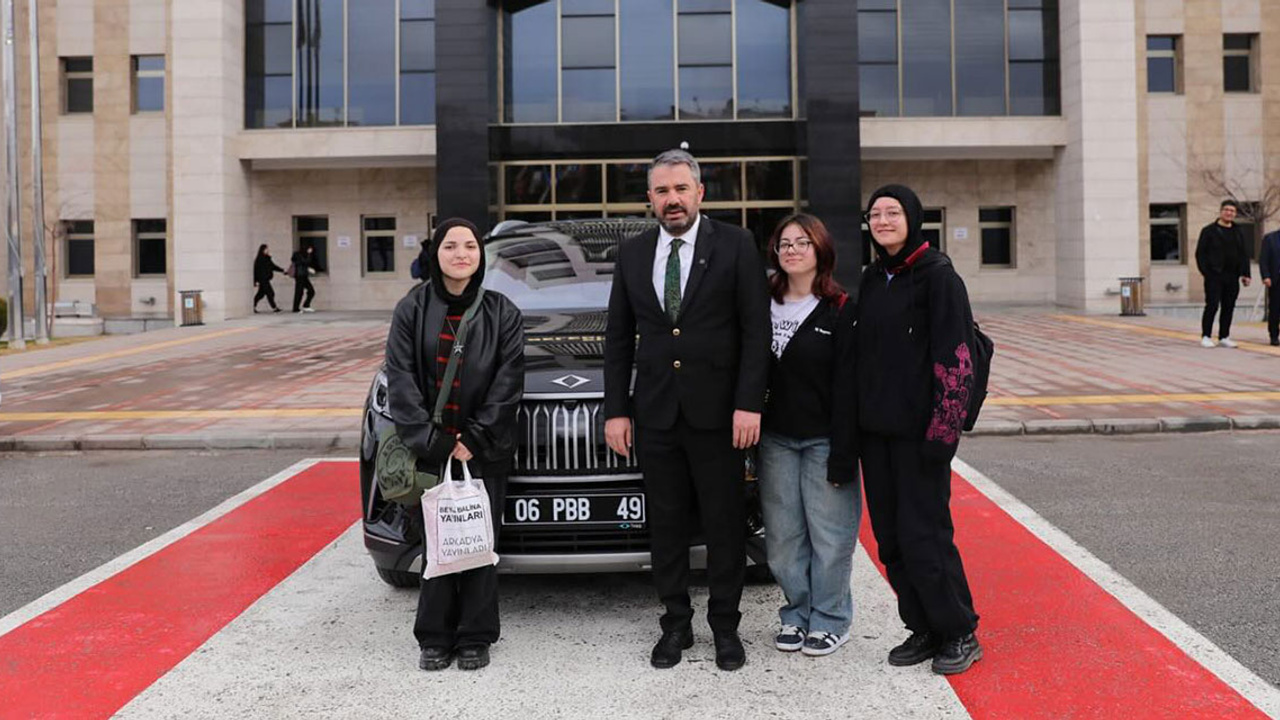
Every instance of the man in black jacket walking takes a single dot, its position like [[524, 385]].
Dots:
[[1269, 269], [1222, 257], [305, 264], [694, 293]]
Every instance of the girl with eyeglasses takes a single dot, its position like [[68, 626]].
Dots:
[[914, 364], [808, 458]]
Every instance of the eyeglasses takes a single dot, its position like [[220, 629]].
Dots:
[[892, 215], [799, 247]]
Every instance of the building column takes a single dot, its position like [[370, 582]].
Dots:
[[1098, 214], [212, 245], [464, 52], [112, 229], [828, 66]]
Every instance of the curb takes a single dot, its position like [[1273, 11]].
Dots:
[[345, 440], [350, 439], [1118, 426]]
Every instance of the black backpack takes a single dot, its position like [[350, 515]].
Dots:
[[983, 349]]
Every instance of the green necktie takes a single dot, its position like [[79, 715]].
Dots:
[[671, 291]]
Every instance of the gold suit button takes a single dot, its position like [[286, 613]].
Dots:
[[675, 332], [676, 364]]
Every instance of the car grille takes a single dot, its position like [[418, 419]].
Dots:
[[540, 542], [566, 437]]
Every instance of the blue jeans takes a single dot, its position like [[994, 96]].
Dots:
[[811, 529]]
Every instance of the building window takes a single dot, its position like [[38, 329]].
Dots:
[[616, 60], [1164, 64], [149, 247], [1239, 63], [333, 63], [379, 240], [148, 83], [417, 62], [934, 228], [958, 57], [998, 241], [1168, 233], [77, 85], [313, 231], [79, 252], [754, 193]]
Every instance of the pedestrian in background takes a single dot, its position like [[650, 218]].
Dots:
[[809, 487], [305, 264], [264, 268], [457, 613], [915, 348], [1223, 259], [1269, 268]]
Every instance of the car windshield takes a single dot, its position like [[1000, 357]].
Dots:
[[559, 265]]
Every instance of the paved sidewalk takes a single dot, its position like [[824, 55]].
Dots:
[[300, 381]]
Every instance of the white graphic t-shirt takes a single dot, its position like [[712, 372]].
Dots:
[[787, 318]]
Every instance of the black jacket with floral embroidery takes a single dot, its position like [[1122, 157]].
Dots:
[[914, 342]]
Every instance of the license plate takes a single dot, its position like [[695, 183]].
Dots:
[[604, 508]]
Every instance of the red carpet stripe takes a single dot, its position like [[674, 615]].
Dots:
[[91, 655], [1055, 644]]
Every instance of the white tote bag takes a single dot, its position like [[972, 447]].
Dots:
[[459, 525]]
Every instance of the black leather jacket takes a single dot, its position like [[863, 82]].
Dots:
[[491, 375]]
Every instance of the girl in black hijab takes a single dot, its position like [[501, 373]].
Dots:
[[264, 268], [457, 614], [915, 373]]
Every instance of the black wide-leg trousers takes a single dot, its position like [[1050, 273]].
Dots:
[[692, 475], [909, 498], [462, 609]]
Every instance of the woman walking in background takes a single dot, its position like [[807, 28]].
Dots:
[[915, 345], [264, 268], [808, 456]]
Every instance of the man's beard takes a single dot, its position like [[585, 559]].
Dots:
[[681, 229]]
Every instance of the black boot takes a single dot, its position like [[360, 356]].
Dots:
[[730, 655], [956, 655], [435, 658], [473, 657], [916, 649], [670, 647]]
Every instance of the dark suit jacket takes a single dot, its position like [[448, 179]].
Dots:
[[1269, 260], [715, 358]]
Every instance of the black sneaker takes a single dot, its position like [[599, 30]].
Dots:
[[473, 657], [956, 655], [916, 649], [435, 658], [1275, 342], [789, 639]]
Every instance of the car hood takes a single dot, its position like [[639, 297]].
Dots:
[[564, 352]]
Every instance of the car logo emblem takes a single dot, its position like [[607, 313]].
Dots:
[[571, 381]]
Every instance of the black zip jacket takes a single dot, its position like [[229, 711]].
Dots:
[[492, 374], [264, 268], [811, 387], [914, 346]]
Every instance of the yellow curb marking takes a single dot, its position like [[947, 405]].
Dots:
[[1161, 332], [182, 414], [1043, 400], [37, 369]]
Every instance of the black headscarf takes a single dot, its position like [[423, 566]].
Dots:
[[915, 221], [429, 258]]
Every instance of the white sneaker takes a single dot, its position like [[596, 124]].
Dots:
[[1227, 342], [1207, 341], [789, 639], [823, 643], [308, 310]]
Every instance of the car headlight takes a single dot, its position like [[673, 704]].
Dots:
[[378, 395]]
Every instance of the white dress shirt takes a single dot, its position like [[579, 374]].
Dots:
[[663, 252]]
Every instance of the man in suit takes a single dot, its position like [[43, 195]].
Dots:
[[1269, 262], [690, 309]]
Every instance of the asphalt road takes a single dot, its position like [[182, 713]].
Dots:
[[1190, 519], [64, 514]]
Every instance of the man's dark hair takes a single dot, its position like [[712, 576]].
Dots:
[[1231, 203]]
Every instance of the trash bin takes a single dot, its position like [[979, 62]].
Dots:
[[192, 307], [1131, 296]]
